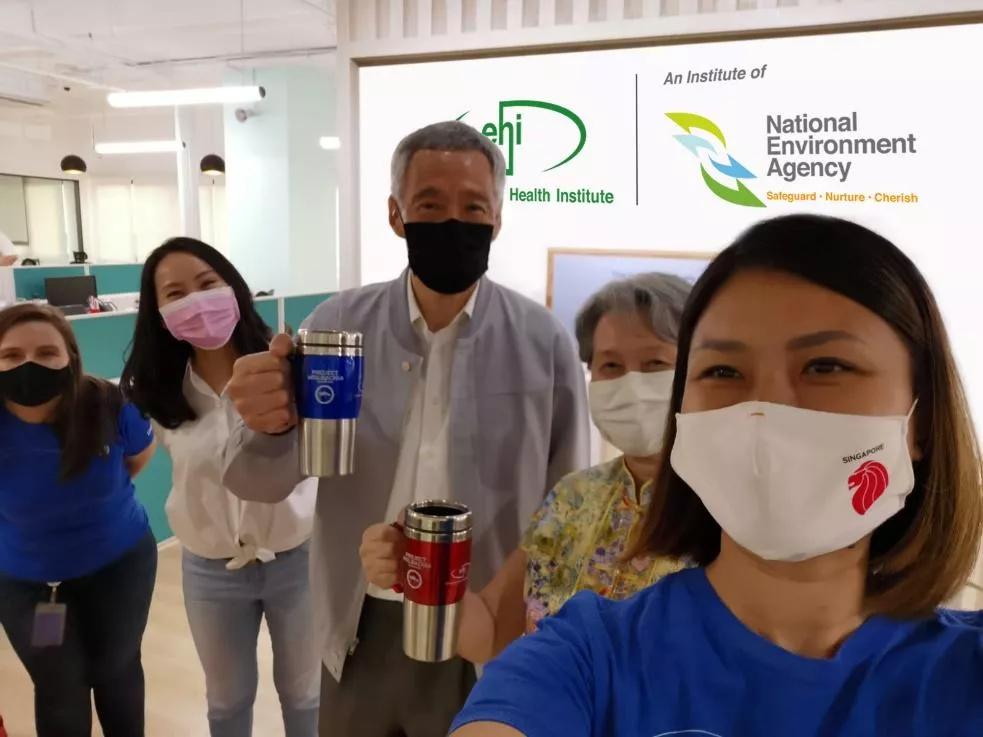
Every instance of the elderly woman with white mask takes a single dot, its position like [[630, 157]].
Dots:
[[626, 334]]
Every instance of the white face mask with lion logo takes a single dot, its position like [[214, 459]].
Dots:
[[791, 484]]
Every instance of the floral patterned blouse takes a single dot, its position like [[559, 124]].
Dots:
[[578, 537]]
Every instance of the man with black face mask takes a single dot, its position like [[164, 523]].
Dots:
[[472, 393]]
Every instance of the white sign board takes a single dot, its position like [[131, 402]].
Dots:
[[679, 148]]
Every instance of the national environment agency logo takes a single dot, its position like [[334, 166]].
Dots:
[[703, 134], [508, 131]]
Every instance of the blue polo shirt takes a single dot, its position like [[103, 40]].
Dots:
[[52, 530], [673, 660]]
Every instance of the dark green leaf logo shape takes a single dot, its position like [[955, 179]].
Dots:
[[508, 133]]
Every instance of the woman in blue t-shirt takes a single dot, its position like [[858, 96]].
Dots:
[[77, 559], [825, 476]]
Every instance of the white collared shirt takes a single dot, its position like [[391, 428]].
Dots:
[[423, 469], [208, 519]]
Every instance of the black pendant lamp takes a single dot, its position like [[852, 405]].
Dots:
[[73, 164], [213, 165]]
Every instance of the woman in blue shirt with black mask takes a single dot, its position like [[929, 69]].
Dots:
[[825, 476], [77, 558]]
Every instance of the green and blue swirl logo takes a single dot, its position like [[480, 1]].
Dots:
[[704, 139]]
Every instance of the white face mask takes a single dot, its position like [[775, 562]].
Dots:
[[631, 411], [791, 484]]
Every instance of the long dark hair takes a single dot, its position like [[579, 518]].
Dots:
[[153, 378], [87, 416], [923, 555]]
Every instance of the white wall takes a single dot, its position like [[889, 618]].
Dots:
[[676, 211], [281, 185], [129, 203], [397, 31], [132, 217]]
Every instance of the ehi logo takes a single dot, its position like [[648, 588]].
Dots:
[[507, 132], [697, 129]]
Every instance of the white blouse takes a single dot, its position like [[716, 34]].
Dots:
[[207, 518]]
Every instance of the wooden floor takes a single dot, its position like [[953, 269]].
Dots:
[[175, 684]]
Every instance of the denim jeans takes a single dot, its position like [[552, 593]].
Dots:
[[225, 609], [100, 657]]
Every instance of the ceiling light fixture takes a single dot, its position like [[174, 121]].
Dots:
[[202, 96], [139, 147], [330, 143], [213, 165], [73, 164]]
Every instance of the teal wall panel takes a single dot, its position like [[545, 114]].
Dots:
[[103, 341], [297, 309], [117, 278], [268, 311], [153, 486], [29, 280]]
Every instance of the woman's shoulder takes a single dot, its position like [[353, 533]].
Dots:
[[936, 663], [660, 601], [129, 411], [969, 619], [576, 499], [588, 621], [577, 486], [135, 428], [953, 634]]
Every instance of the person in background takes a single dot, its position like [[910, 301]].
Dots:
[[472, 393], [8, 251], [825, 475], [242, 560], [627, 336], [77, 558]]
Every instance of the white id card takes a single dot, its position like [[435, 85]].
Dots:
[[49, 621], [49, 625]]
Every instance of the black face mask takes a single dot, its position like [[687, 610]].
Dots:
[[31, 384], [449, 256]]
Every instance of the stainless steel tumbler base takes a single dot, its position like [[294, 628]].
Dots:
[[430, 632], [327, 447]]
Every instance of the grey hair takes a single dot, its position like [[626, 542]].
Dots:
[[450, 135], [658, 298]]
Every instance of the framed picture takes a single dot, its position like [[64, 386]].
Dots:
[[573, 275]]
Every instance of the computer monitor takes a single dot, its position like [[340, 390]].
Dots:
[[70, 291]]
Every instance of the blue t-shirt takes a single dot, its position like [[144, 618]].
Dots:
[[52, 530], [673, 660]]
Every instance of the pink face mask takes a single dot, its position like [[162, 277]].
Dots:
[[206, 319]]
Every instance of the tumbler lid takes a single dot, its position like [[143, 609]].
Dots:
[[435, 515], [330, 338]]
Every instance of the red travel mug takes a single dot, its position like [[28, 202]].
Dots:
[[434, 577]]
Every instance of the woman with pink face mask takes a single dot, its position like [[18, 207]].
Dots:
[[242, 561]]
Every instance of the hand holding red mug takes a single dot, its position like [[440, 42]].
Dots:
[[382, 549]]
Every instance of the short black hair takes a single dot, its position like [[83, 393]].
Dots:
[[153, 378]]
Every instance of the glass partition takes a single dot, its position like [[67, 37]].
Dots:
[[43, 216]]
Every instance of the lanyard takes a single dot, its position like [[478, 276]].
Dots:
[[53, 585]]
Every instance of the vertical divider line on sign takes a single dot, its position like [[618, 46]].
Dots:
[[636, 139]]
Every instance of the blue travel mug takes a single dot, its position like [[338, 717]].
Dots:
[[328, 376]]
